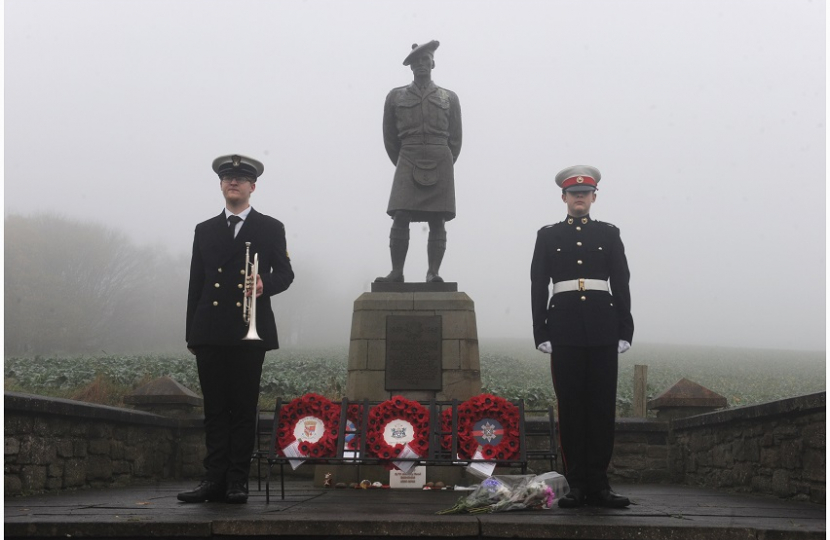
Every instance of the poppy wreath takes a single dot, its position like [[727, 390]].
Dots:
[[397, 408], [306, 409], [473, 411]]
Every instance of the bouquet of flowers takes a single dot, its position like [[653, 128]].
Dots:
[[505, 493]]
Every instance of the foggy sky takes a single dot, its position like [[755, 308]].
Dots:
[[706, 119]]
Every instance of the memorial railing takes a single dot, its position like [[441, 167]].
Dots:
[[443, 441]]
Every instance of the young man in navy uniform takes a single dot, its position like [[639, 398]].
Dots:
[[583, 325], [230, 367]]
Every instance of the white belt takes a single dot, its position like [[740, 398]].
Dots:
[[580, 284]]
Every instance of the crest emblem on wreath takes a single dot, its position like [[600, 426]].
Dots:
[[399, 432], [488, 431], [309, 428]]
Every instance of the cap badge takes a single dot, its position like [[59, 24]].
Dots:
[[579, 179], [236, 160]]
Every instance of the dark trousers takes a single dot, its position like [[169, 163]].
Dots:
[[585, 382], [230, 385]]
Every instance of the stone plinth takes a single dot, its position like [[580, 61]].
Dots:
[[460, 376]]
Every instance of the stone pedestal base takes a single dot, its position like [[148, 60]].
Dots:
[[460, 376], [453, 354]]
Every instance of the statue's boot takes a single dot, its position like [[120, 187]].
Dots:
[[398, 246], [436, 246]]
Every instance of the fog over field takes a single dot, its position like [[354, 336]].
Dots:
[[707, 120]]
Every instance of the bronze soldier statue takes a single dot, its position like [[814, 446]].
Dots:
[[422, 134]]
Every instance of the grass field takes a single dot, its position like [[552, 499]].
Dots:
[[509, 368], [743, 376]]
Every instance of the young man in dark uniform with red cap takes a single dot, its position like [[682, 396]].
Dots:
[[230, 360], [583, 325]]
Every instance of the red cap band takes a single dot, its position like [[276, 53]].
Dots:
[[579, 180]]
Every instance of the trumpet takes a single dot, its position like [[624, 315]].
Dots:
[[249, 302]]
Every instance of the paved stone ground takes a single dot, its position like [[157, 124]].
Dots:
[[657, 512]]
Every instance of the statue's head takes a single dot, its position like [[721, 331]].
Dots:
[[421, 59]]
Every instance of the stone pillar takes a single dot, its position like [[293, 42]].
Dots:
[[440, 356], [686, 398], [164, 396]]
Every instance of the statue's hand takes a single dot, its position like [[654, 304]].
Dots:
[[545, 347]]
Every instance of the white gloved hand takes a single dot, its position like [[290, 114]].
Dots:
[[545, 347], [623, 346]]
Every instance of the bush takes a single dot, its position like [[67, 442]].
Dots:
[[509, 369]]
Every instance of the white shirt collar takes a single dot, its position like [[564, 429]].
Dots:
[[243, 214]]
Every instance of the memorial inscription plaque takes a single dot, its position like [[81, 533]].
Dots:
[[413, 352]]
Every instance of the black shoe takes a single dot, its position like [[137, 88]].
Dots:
[[237, 493], [574, 499], [206, 491], [607, 499]]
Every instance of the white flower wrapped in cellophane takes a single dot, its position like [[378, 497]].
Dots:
[[515, 492]]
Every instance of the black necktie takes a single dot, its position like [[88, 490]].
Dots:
[[232, 221]]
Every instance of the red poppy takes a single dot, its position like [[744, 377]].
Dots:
[[354, 414]]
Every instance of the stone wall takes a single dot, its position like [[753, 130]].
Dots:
[[775, 448], [640, 451], [54, 444]]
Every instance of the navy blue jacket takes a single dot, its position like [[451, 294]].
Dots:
[[217, 275], [572, 249]]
